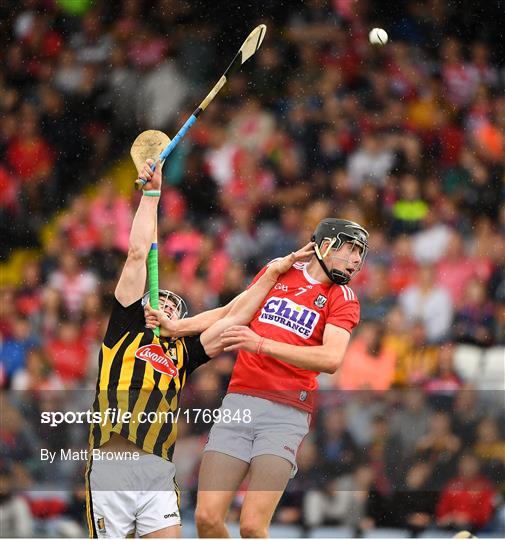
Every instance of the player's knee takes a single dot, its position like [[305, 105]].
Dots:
[[252, 528], [206, 519]]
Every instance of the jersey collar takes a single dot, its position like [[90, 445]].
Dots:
[[309, 278]]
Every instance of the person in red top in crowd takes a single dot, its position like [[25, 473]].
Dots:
[[404, 268], [445, 381], [28, 155], [80, 231], [68, 354], [274, 379], [466, 501]]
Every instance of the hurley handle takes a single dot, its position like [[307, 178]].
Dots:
[[152, 267]]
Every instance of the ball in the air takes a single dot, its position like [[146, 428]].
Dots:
[[378, 36]]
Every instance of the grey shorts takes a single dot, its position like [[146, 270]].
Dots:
[[273, 429]]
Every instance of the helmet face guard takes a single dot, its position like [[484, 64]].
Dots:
[[339, 232], [169, 296]]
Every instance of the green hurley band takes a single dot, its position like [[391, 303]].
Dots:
[[152, 193], [152, 267]]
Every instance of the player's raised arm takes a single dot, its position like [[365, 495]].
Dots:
[[239, 309], [132, 281], [248, 303]]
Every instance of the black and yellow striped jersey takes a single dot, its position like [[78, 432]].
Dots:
[[139, 382]]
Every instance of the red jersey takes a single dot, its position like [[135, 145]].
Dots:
[[296, 311]]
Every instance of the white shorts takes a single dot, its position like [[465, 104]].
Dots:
[[274, 429], [131, 496]]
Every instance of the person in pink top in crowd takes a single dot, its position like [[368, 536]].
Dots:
[[109, 207], [72, 282], [457, 268], [368, 363]]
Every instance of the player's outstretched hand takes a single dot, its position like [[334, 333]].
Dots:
[[279, 266], [153, 178], [158, 318], [240, 337]]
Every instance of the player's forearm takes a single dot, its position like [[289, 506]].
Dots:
[[247, 304], [242, 311], [317, 358], [143, 227], [196, 324]]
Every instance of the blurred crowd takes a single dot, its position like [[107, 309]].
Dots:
[[407, 139]]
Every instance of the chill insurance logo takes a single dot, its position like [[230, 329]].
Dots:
[[289, 315]]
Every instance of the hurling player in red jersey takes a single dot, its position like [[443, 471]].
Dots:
[[302, 329]]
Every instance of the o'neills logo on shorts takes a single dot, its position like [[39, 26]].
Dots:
[[155, 355], [289, 315]]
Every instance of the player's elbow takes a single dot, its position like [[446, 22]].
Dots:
[[331, 364], [136, 253]]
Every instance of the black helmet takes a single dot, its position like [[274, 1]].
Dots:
[[178, 301], [338, 232]]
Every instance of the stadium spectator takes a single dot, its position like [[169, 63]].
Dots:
[[72, 282], [378, 300], [439, 446], [15, 515], [384, 456], [15, 348], [69, 353], [467, 501], [403, 266], [37, 376], [474, 320], [416, 360], [410, 423], [369, 364], [429, 244], [28, 296], [360, 412], [490, 448], [444, 383], [415, 500], [110, 208], [18, 445], [29, 155], [467, 412], [428, 303], [106, 258], [370, 163], [338, 449], [455, 268], [77, 227], [343, 502], [409, 211]]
